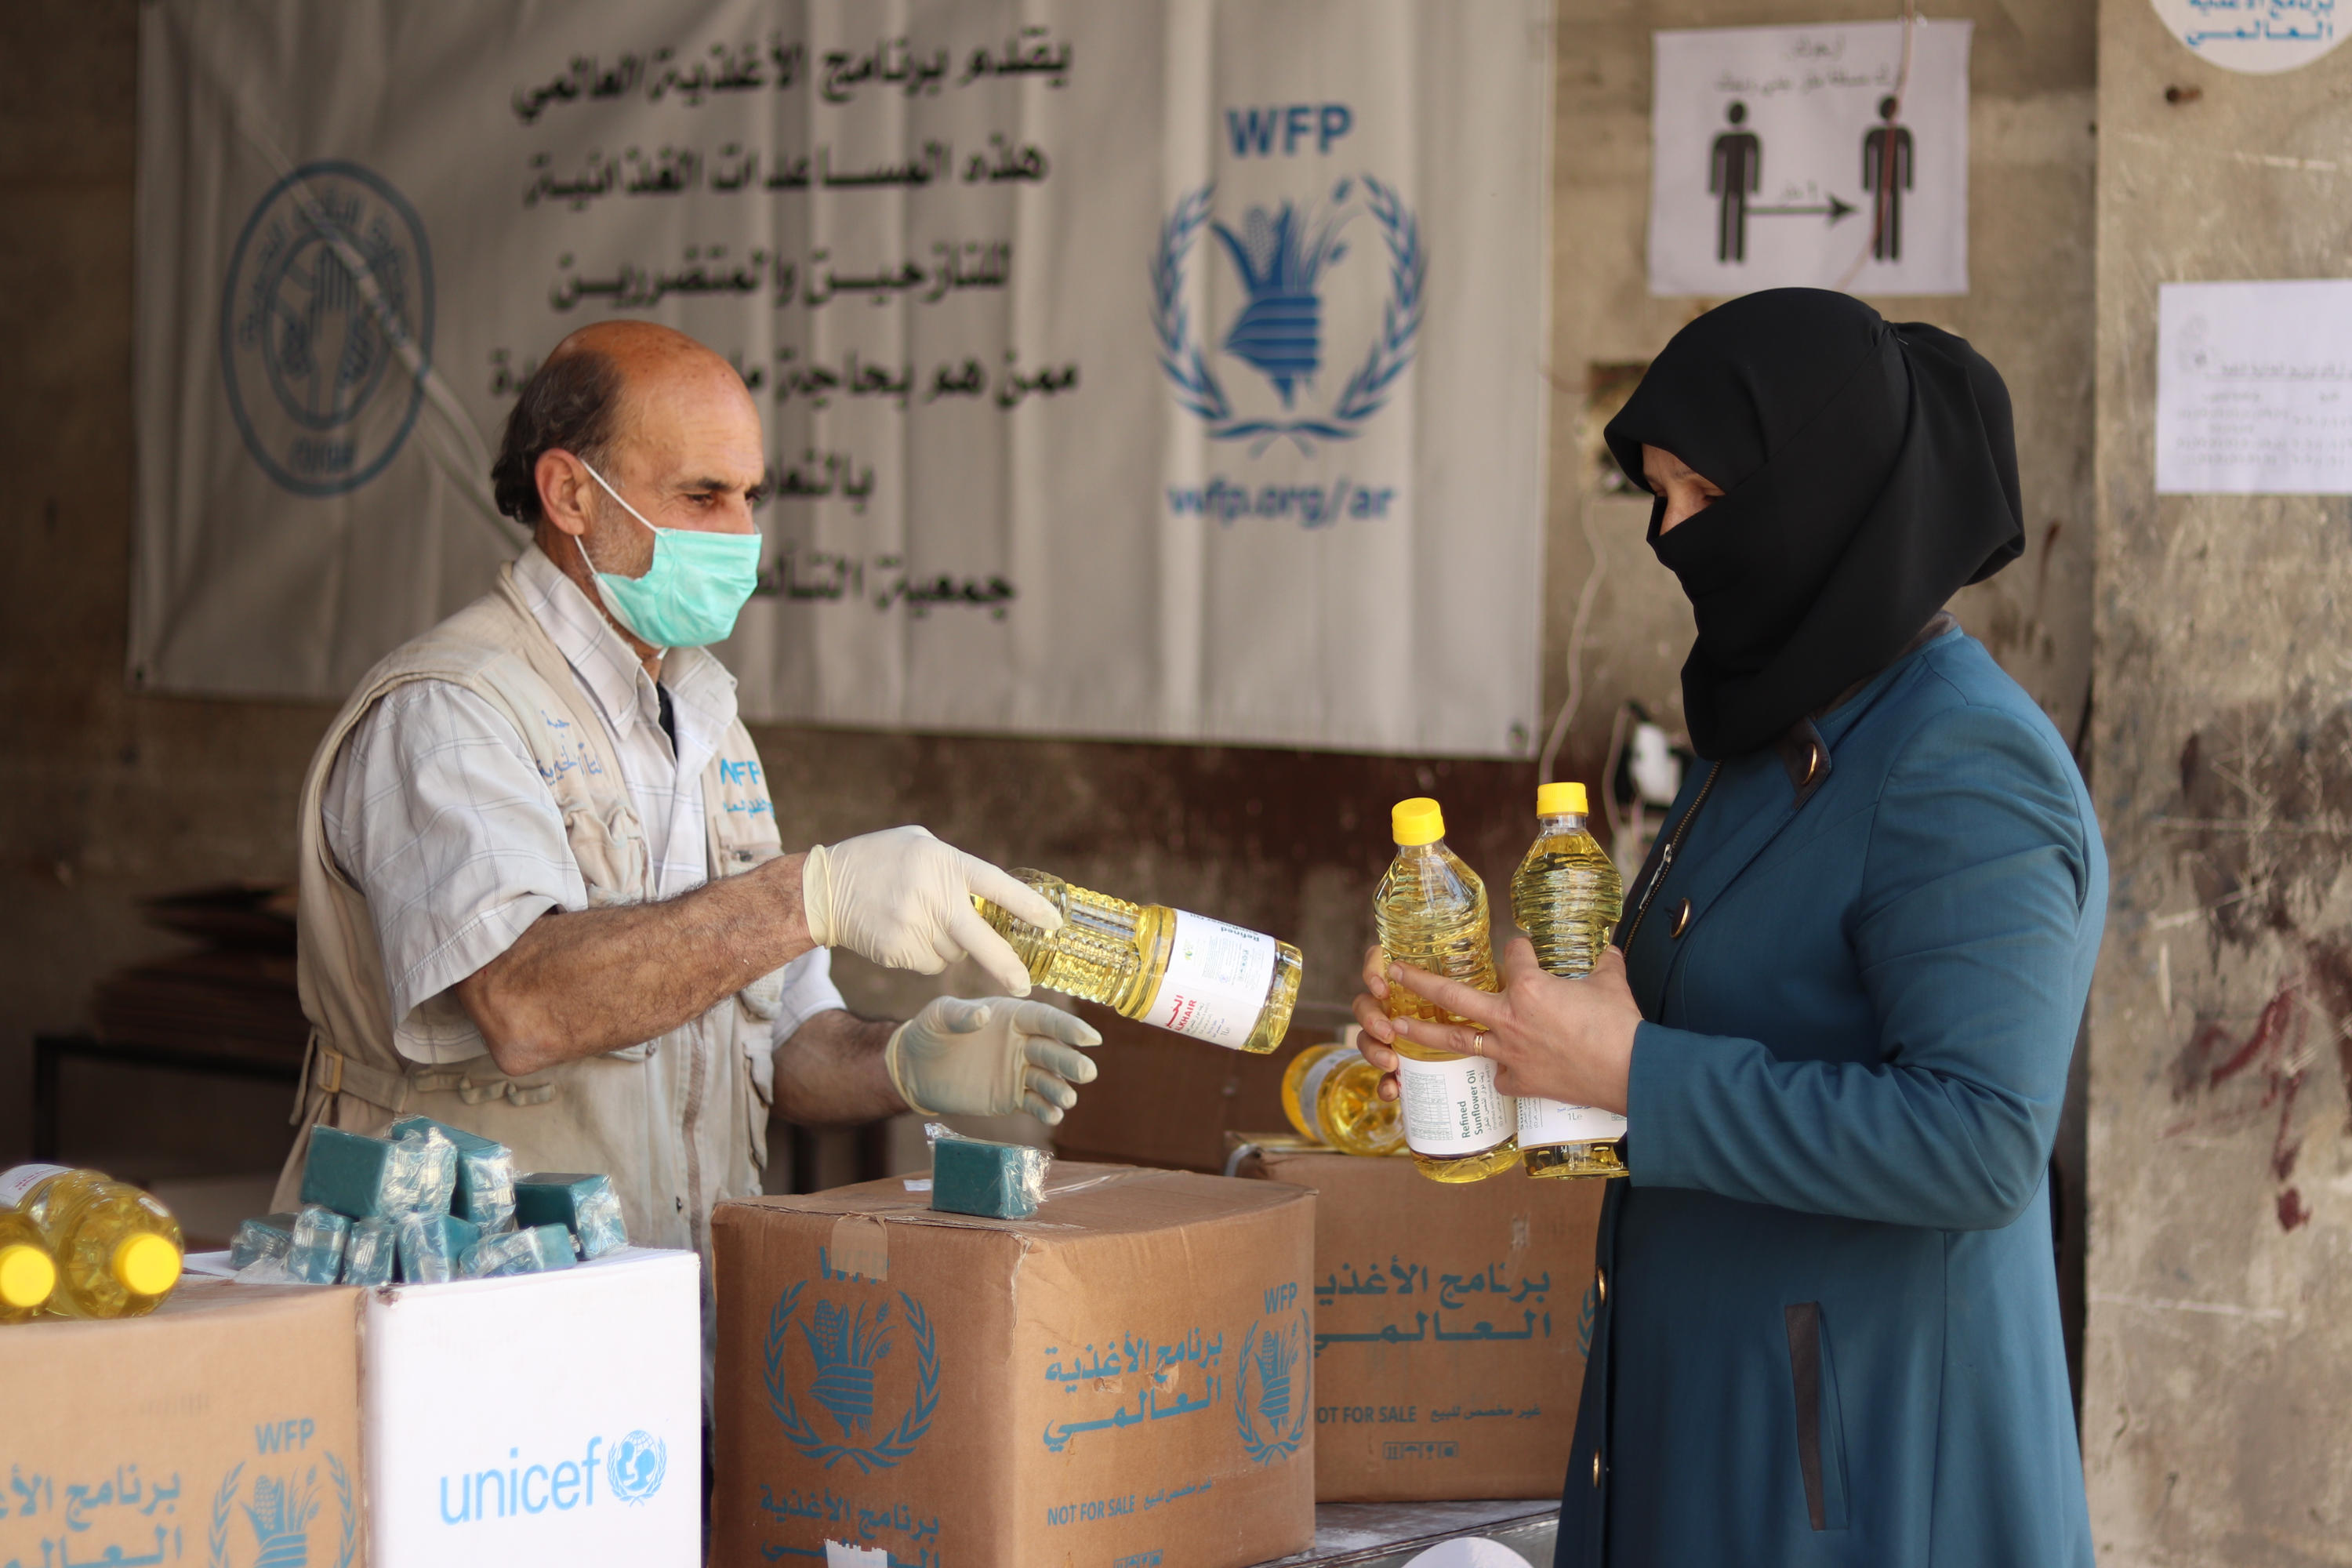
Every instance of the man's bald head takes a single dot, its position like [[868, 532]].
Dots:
[[602, 386]]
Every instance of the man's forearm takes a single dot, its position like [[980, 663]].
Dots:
[[581, 983], [830, 1073]]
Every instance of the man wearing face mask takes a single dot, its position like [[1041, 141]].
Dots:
[[543, 898]]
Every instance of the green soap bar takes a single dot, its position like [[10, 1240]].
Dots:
[[1006, 1181], [346, 1173], [552, 1197], [535, 1250], [585, 1205], [433, 1246], [485, 1187], [263, 1236]]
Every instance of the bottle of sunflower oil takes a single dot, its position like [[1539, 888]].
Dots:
[[1430, 912], [1201, 977], [26, 1273], [1567, 896], [117, 1250], [1332, 1095]]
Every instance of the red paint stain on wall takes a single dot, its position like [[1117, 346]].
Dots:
[[2270, 1067]]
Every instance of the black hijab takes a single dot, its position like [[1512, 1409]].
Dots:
[[1869, 470]]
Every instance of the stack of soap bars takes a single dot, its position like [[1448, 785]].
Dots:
[[426, 1204]]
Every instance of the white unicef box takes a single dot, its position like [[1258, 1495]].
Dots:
[[548, 1419]]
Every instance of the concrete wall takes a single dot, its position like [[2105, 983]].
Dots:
[[2219, 1406]]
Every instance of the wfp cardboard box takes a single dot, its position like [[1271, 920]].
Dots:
[[1172, 1104], [550, 1419], [1120, 1382], [222, 1430], [1451, 1324]]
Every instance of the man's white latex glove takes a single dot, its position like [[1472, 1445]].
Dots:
[[903, 898], [991, 1057]]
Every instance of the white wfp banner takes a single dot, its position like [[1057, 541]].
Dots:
[[1774, 149], [1154, 368]]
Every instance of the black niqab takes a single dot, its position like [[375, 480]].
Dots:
[[1869, 470]]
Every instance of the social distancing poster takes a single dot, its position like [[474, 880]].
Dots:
[[1827, 157]]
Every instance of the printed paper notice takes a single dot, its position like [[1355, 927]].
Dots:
[[1798, 156], [2253, 388]]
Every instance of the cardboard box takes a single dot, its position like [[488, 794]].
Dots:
[[548, 1419], [1121, 1380], [1171, 1102], [1451, 1324], [223, 1428]]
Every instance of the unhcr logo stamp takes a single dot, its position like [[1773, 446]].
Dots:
[[1280, 258], [327, 328]]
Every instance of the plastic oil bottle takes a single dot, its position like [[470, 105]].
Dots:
[[1567, 896], [117, 1250], [26, 1274], [1332, 1095], [1218, 983], [1431, 911]]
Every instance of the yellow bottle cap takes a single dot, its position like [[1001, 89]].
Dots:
[[1417, 821], [26, 1276], [147, 1264], [1561, 800]]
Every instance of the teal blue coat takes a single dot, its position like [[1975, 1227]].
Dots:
[[1828, 1330]]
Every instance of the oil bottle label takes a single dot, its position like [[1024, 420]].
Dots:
[[1450, 1107], [1310, 1088], [1543, 1122], [17, 1182], [1217, 979]]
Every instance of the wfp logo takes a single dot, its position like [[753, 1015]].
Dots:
[[1270, 1399], [325, 328], [1280, 257], [835, 1353], [278, 1513]]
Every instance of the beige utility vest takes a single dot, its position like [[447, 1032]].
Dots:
[[677, 1122]]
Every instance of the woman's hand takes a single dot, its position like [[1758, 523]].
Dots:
[[1570, 1041]]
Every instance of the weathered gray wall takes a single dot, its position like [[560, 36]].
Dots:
[[2219, 1406], [2028, 309], [105, 795]]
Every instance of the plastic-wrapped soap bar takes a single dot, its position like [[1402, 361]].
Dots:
[[1006, 1181], [433, 1246], [314, 1252], [585, 1205], [485, 1188], [537, 1249], [424, 1171], [369, 1253], [263, 1236], [350, 1173]]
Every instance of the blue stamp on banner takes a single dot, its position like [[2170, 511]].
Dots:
[[327, 327], [1280, 258]]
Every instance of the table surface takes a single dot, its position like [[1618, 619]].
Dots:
[[1390, 1534]]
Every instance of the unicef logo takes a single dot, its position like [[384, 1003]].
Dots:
[[327, 328], [636, 1466], [1271, 1397], [1280, 258]]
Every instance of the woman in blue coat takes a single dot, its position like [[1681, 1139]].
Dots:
[[1851, 979]]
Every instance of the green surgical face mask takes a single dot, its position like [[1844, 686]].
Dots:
[[692, 593]]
